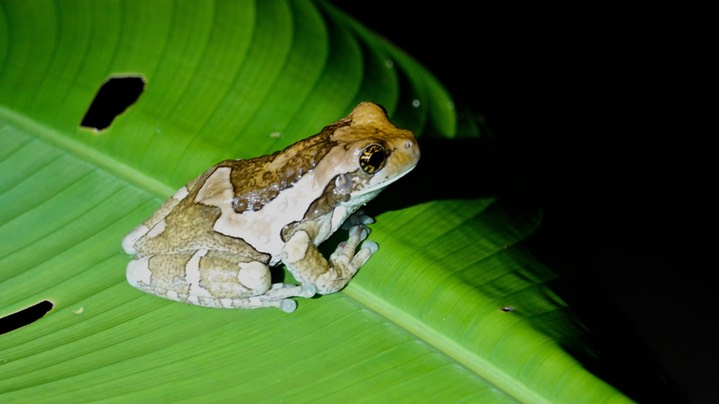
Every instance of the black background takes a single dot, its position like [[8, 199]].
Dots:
[[602, 106]]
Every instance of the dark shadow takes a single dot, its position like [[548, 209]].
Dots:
[[607, 343], [610, 348], [463, 168]]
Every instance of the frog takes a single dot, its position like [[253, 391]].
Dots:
[[215, 241]]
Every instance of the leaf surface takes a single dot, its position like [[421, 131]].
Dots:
[[423, 320]]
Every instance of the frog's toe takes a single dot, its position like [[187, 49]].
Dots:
[[308, 290], [360, 231], [288, 305], [346, 249], [357, 218], [371, 246]]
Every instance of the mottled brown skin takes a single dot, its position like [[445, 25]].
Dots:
[[255, 186]]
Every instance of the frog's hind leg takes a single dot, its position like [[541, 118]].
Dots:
[[212, 279]]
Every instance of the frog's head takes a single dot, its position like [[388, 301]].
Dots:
[[379, 152], [347, 164]]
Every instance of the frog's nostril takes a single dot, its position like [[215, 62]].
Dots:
[[412, 147]]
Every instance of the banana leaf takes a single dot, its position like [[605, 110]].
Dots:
[[450, 308]]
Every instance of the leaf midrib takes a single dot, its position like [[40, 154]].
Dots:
[[88, 154]]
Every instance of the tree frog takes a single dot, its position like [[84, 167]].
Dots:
[[213, 242]]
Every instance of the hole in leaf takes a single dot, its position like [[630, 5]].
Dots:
[[24, 316], [113, 98]]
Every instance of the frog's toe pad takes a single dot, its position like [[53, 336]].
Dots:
[[288, 305], [371, 246], [308, 290]]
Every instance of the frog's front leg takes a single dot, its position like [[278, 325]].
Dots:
[[309, 267], [212, 279]]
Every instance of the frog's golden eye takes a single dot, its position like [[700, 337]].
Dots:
[[372, 158]]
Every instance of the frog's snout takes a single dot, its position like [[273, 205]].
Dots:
[[413, 149]]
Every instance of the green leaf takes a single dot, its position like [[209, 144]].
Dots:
[[422, 321]]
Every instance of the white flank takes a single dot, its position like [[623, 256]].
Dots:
[[262, 228]]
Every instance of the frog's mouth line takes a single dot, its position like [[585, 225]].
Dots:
[[382, 185]]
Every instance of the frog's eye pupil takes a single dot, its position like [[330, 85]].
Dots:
[[372, 158]]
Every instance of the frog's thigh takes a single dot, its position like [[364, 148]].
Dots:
[[204, 278]]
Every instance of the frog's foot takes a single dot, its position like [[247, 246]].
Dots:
[[306, 263], [278, 296], [345, 256], [282, 290], [253, 302]]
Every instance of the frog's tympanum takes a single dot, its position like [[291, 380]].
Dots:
[[212, 243]]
